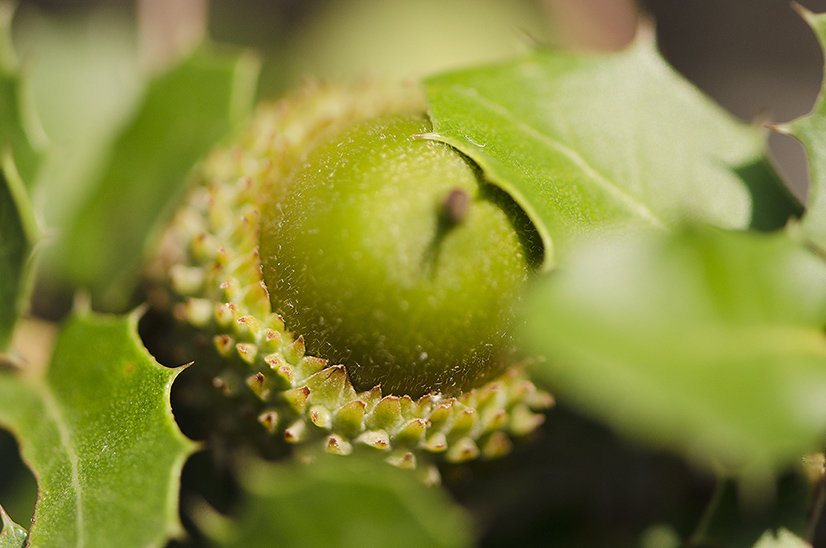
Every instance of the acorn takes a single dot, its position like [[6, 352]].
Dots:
[[358, 280]]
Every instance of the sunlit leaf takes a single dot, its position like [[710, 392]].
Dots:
[[97, 431], [587, 142], [810, 130]]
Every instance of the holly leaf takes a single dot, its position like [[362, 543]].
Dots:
[[96, 428], [11, 534], [344, 502], [587, 142], [17, 228], [810, 130], [703, 341]]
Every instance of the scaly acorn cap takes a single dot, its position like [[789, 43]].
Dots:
[[211, 256]]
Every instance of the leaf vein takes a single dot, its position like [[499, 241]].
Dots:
[[53, 410], [629, 200]]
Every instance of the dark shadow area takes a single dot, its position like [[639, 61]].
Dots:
[[207, 479], [736, 524], [528, 236], [772, 203], [210, 402], [224, 420], [578, 485], [18, 488]]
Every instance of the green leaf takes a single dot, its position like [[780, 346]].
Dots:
[[97, 430], [16, 112], [343, 502], [17, 155], [92, 60], [587, 142], [11, 534], [183, 113], [810, 130], [17, 229], [781, 539], [704, 341]]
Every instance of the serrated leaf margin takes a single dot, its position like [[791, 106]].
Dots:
[[11, 534], [49, 404]]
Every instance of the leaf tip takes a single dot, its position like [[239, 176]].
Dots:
[[781, 128], [816, 21], [11, 534], [804, 12], [646, 34]]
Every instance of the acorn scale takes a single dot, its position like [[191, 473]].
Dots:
[[357, 280]]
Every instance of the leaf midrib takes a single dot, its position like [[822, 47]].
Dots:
[[53, 409], [603, 181]]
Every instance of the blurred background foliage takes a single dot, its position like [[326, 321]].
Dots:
[[756, 59], [577, 484]]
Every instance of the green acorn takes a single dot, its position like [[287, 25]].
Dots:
[[358, 280], [385, 253]]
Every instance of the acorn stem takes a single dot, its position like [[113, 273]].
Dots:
[[455, 207], [452, 212]]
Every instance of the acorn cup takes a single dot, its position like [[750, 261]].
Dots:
[[358, 281]]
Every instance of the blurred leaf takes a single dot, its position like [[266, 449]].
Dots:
[[91, 58], [15, 108], [11, 534], [810, 130], [781, 539], [120, 145], [597, 142], [17, 155], [182, 114], [17, 229], [344, 502], [704, 341], [660, 536], [98, 433], [417, 38]]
